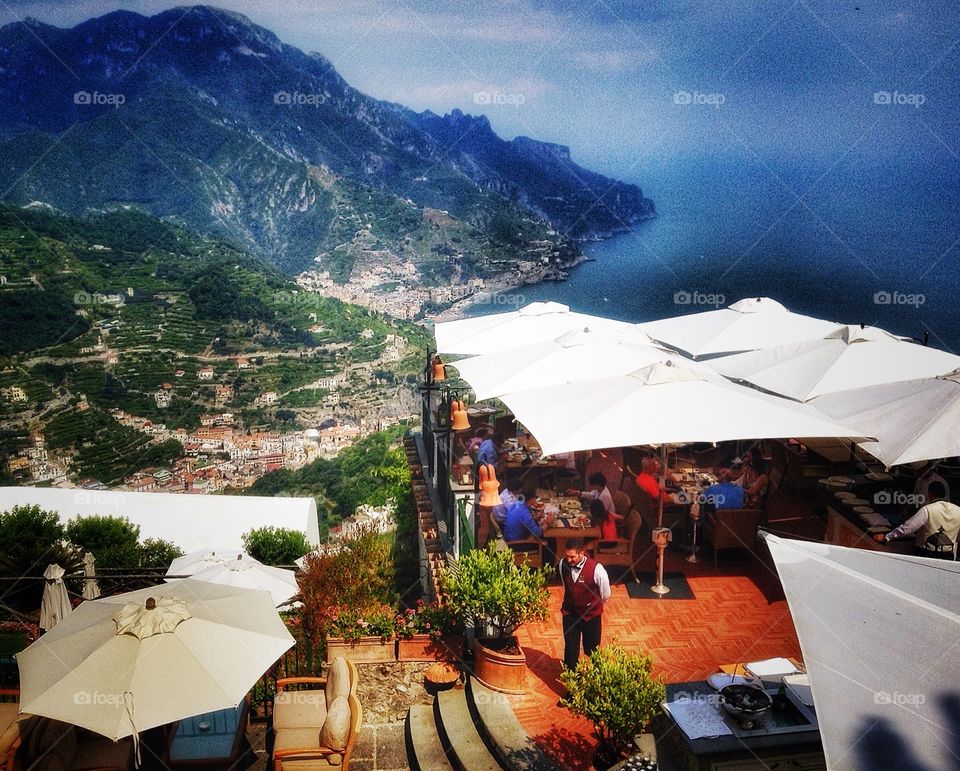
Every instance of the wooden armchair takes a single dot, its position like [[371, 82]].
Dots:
[[623, 552], [731, 529], [317, 728]]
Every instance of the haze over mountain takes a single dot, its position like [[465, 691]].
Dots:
[[214, 122]]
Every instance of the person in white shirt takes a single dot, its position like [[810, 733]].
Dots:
[[937, 514], [586, 589], [599, 491]]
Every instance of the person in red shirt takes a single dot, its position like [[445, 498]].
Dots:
[[605, 520], [648, 480]]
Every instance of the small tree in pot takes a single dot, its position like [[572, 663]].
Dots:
[[495, 596], [614, 690]]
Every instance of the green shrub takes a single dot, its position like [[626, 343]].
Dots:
[[275, 545], [614, 690], [488, 590], [31, 539], [157, 553], [114, 541]]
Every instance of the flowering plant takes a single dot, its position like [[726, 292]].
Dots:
[[352, 623], [434, 619]]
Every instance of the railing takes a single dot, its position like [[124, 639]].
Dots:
[[302, 660]]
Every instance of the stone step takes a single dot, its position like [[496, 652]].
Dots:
[[510, 743], [424, 749], [459, 733]]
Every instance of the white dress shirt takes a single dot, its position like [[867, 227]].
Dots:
[[599, 575]]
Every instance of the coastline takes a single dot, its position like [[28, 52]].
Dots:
[[508, 282]]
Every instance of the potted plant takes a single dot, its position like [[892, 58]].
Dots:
[[614, 690], [495, 596], [361, 635], [428, 632]]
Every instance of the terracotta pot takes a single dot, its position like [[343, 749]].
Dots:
[[501, 671], [366, 650]]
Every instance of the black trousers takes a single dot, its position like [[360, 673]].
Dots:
[[574, 630]]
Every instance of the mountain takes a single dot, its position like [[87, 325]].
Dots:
[[202, 117]]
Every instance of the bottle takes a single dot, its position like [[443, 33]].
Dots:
[[781, 701]]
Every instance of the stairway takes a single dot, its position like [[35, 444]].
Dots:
[[470, 729]]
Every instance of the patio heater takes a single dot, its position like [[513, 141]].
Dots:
[[662, 535]]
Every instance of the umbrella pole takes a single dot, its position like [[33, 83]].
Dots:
[[659, 536]]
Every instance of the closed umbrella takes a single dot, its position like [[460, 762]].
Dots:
[[55, 604], [580, 354], [252, 574], [912, 420], [91, 587], [747, 325], [849, 357], [130, 662], [534, 323]]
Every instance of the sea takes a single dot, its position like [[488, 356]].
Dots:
[[864, 242]]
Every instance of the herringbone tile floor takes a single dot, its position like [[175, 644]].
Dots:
[[738, 615]]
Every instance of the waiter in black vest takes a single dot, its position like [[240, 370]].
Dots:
[[586, 589]]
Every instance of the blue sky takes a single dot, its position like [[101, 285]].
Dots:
[[627, 83]]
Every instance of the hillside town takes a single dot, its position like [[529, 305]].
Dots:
[[217, 455]]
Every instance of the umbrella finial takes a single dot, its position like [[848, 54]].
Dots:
[[151, 603]]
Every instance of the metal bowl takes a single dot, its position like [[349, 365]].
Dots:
[[745, 702]]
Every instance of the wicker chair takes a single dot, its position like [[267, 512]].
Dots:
[[731, 529], [623, 552]]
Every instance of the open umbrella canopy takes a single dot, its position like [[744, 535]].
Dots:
[[580, 354], [252, 574], [849, 357], [662, 403], [747, 325], [878, 633], [201, 559], [534, 323], [55, 603], [912, 420], [123, 664]]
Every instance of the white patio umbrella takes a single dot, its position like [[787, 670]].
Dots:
[[123, 664], [663, 403], [580, 354], [912, 420], [534, 323], [849, 357], [55, 603], [252, 574], [878, 633], [747, 325], [91, 587], [198, 560]]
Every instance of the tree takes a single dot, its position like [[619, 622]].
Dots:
[[31, 539], [615, 691], [114, 541], [275, 545], [157, 553]]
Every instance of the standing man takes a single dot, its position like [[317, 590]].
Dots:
[[586, 589]]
